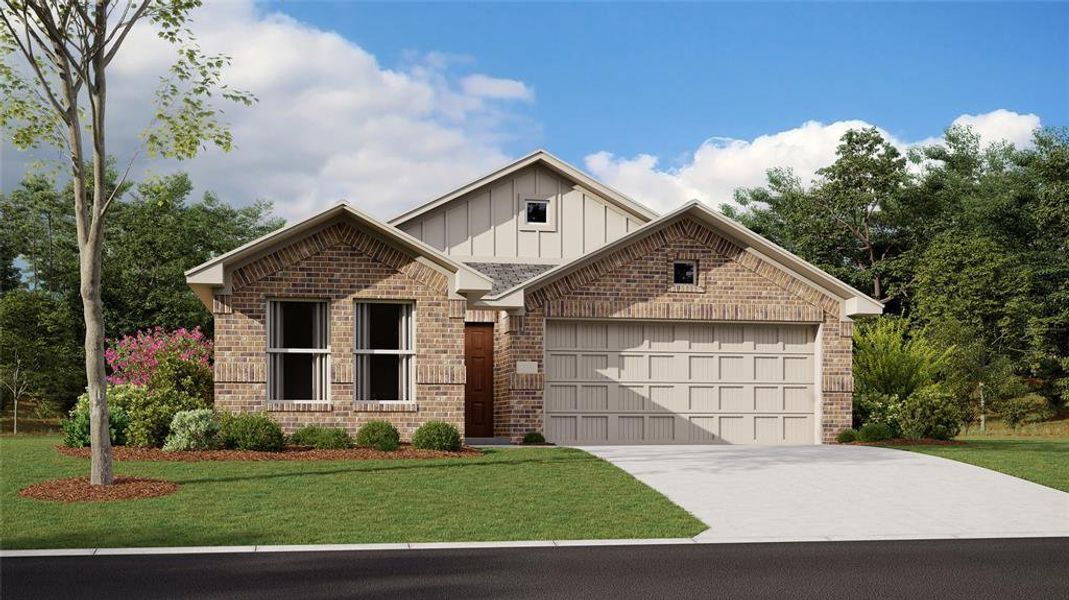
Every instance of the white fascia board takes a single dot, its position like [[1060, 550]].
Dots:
[[611, 195]]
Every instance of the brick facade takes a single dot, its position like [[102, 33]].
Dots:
[[633, 283], [341, 264]]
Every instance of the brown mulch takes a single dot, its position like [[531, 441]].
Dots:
[[78, 489], [905, 442], [121, 453]]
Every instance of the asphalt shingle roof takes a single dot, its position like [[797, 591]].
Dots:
[[508, 275]]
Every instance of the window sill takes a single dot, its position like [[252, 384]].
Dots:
[[284, 406], [363, 406], [686, 288]]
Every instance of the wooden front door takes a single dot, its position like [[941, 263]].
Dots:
[[479, 389]]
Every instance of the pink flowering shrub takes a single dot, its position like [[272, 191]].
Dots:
[[134, 358]]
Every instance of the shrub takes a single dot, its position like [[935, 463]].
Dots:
[[874, 432], [874, 407], [76, 425], [887, 360], [251, 431], [931, 412], [190, 377], [151, 414], [193, 430], [534, 437], [380, 435], [437, 435], [322, 438], [134, 358], [1030, 408], [846, 436]]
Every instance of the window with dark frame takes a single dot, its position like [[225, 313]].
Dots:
[[685, 272], [537, 212], [384, 352], [298, 355]]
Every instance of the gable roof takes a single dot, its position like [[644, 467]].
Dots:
[[618, 199], [854, 301], [215, 273]]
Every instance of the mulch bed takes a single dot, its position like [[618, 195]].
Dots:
[[78, 489], [122, 453], [905, 442]]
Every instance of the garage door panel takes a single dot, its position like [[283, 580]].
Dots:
[[659, 382]]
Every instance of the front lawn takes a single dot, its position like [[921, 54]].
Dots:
[[507, 494], [1044, 461]]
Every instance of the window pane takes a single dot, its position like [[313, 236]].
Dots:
[[384, 326], [384, 382], [298, 325], [684, 272], [537, 212], [298, 374]]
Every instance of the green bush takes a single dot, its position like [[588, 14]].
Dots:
[[931, 412], [151, 415], [888, 360], [846, 436], [437, 435], [251, 431], [1030, 408], [186, 376], [534, 437], [874, 407], [322, 438], [874, 432], [380, 435], [76, 425], [193, 430]]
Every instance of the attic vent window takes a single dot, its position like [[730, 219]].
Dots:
[[685, 272], [537, 212]]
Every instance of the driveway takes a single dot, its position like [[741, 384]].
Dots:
[[751, 493]]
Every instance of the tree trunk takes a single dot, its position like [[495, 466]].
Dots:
[[93, 311], [91, 256]]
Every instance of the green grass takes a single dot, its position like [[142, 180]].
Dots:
[[1058, 428], [507, 494], [1044, 461]]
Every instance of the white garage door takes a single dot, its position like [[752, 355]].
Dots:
[[642, 382]]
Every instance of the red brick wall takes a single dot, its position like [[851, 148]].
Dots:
[[341, 264], [634, 283]]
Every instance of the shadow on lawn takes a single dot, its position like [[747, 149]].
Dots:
[[410, 466]]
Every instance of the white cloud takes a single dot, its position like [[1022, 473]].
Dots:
[[492, 87], [720, 165], [331, 122]]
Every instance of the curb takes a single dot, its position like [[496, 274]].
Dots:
[[58, 552]]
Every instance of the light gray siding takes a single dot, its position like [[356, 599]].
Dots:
[[489, 224]]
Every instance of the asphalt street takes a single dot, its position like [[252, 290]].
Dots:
[[998, 568]]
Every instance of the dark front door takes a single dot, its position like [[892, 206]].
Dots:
[[479, 389]]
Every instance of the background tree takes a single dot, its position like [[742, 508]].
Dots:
[[60, 97]]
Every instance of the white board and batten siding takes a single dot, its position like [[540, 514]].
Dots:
[[488, 223], [648, 382]]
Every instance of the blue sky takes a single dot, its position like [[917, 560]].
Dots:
[[390, 105], [661, 78]]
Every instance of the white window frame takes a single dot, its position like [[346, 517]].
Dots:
[[276, 376], [361, 354], [551, 215]]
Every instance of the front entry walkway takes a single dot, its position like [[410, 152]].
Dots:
[[801, 493]]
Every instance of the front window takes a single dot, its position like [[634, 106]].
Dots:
[[298, 356], [537, 212], [384, 354]]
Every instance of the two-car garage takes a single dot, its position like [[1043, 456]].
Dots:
[[684, 382]]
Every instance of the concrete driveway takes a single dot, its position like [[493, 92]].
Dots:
[[750, 493]]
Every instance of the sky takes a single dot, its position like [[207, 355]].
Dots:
[[390, 105]]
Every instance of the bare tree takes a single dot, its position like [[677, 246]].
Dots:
[[17, 384], [57, 94]]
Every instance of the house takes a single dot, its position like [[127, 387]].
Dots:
[[535, 298]]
